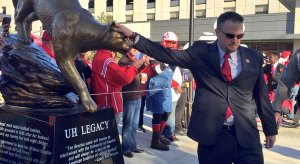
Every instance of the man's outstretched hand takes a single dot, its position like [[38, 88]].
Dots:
[[123, 29]]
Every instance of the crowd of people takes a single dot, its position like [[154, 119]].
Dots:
[[233, 85], [130, 85], [274, 66]]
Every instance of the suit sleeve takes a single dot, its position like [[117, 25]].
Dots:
[[264, 108], [179, 58], [287, 80]]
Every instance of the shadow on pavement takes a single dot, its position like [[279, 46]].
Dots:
[[182, 151], [286, 151]]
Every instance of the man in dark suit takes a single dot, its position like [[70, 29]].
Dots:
[[273, 71], [230, 87]]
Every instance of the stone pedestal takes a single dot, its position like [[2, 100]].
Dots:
[[64, 137]]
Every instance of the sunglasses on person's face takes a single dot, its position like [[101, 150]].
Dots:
[[232, 36], [170, 42]]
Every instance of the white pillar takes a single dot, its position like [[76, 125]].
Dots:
[[184, 9], [214, 8], [139, 10], [162, 10], [84, 4], [119, 10], [245, 7], [99, 7]]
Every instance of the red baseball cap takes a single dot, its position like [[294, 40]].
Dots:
[[285, 54]]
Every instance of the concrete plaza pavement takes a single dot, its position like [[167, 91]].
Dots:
[[184, 151]]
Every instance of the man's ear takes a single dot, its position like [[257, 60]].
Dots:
[[217, 31]]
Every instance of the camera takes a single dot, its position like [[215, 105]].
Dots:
[[5, 19]]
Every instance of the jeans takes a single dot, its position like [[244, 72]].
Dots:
[[180, 108], [170, 127], [131, 113], [118, 117]]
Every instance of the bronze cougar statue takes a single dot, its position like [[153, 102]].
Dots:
[[73, 30]]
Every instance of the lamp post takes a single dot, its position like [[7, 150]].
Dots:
[[191, 40]]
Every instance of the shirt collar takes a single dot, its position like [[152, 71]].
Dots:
[[222, 53]]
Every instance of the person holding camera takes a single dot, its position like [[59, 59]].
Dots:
[[4, 34]]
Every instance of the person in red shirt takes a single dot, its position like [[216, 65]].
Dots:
[[47, 44], [108, 78]]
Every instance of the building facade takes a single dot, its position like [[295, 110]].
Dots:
[[270, 24]]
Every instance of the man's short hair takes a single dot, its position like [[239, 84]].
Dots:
[[232, 16], [275, 53]]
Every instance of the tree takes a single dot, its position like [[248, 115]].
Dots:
[[105, 18]]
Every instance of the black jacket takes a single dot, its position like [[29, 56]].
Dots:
[[135, 85]]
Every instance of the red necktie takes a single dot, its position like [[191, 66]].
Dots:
[[226, 71]]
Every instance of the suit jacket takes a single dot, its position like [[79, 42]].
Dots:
[[272, 80], [245, 94]]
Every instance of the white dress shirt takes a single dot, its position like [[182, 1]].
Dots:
[[235, 62]]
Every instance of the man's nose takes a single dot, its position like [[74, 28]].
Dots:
[[234, 40]]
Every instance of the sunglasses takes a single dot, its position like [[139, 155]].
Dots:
[[170, 42], [232, 36]]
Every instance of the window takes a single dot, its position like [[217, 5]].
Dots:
[[129, 4], [91, 4], [174, 15], [198, 2], [109, 5], [150, 16], [200, 13], [261, 9], [174, 3], [150, 4], [229, 9], [129, 18]]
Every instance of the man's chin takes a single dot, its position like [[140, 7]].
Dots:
[[232, 48]]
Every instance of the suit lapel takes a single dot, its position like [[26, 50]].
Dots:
[[245, 60], [214, 58]]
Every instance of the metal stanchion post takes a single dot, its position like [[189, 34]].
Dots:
[[189, 103]]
